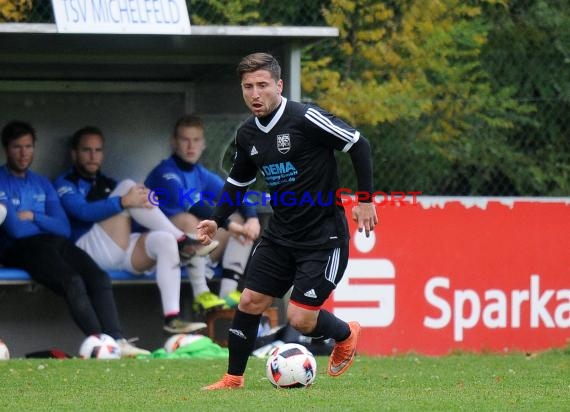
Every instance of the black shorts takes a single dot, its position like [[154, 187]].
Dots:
[[313, 273]]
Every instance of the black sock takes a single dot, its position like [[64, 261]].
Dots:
[[241, 341], [230, 274], [329, 326]]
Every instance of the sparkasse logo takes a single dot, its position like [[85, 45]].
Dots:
[[496, 308]]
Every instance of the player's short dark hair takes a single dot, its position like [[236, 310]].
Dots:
[[188, 120], [84, 131], [16, 129], [259, 61]]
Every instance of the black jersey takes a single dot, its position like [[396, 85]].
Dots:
[[294, 152]]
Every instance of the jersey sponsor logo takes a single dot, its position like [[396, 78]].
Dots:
[[278, 173], [253, 151], [283, 143], [276, 169]]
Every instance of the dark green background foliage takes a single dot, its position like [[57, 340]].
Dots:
[[457, 97]]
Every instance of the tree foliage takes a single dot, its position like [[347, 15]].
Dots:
[[14, 10], [456, 96], [453, 94], [227, 12], [529, 49], [411, 73]]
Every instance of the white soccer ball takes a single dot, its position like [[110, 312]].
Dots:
[[291, 366], [100, 346], [179, 340], [4, 352]]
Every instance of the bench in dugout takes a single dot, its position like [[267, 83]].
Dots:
[[218, 321], [11, 276]]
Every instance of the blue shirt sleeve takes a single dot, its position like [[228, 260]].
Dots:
[[54, 219], [16, 228], [167, 188], [77, 206], [49, 218]]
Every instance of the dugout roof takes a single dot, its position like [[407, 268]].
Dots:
[[38, 52]]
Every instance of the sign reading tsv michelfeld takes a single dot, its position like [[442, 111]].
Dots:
[[122, 16]]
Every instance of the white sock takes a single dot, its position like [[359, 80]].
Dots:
[[197, 275], [162, 247], [152, 218], [3, 213], [235, 259], [236, 255], [227, 286]]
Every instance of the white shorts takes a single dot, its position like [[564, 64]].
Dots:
[[103, 250], [3, 213]]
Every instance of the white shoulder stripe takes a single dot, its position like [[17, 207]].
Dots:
[[328, 126], [325, 124], [347, 146], [240, 184]]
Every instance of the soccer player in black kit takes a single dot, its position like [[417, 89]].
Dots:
[[305, 244]]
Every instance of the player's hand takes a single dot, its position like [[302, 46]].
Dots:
[[246, 233], [206, 230], [26, 215], [237, 230], [137, 196], [251, 228], [364, 214]]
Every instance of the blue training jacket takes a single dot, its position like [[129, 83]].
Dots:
[[34, 193], [179, 185], [86, 201]]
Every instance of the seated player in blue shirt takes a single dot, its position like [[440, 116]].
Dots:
[[101, 212], [184, 182], [34, 237]]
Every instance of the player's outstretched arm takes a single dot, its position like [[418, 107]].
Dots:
[[364, 214]]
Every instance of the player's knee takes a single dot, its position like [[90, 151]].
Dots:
[[254, 303], [123, 187], [161, 243]]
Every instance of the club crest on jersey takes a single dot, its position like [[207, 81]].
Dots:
[[283, 143]]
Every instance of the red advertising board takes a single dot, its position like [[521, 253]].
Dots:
[[468, 274]]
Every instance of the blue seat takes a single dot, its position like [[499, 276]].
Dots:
[[18, 276], [123, 276], [14, 275]]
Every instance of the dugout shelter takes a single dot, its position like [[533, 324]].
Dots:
[[134, 87]]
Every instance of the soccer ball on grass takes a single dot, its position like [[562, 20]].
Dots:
[[99, 346], [179, 340], [4, 352], [291, 366]]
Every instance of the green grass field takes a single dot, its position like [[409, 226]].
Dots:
[[404, 383]]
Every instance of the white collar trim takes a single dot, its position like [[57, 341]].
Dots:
[[267, 129]]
